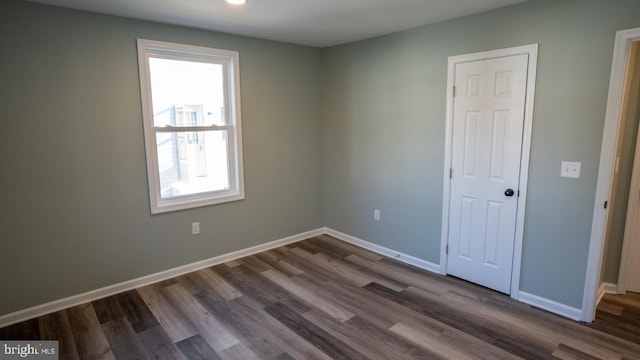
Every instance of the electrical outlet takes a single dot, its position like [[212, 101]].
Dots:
[[195, 228], [376, 215]]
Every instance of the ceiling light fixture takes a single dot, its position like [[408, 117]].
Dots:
[[236, 2]]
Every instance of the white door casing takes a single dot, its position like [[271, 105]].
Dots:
[[487, 153]]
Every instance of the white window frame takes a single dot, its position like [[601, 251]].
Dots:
[[230, 62]]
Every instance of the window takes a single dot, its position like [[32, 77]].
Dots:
[[191, 115]]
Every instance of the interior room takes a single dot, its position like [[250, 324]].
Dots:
[[339, 223]]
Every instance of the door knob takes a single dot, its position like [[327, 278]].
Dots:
[[509, 192]]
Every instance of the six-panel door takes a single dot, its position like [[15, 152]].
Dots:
[[488, 122]]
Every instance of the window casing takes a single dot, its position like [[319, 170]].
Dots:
[[191, 115]]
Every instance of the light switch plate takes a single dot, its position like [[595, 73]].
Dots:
[[570, 169]]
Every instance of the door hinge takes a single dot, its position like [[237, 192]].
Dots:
[[606, 203], [454, 91], [518, 193], [446, 249], [450, 173]]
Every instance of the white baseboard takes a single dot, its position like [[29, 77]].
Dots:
[[606, 288], [408, 259], [550, 305], [57, 305]]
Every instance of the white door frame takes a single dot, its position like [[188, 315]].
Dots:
[[532, 51], [621, 51]]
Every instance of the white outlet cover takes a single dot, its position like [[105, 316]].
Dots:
[[570, 169]]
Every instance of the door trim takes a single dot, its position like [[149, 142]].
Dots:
[[532, 51], [621, 50]]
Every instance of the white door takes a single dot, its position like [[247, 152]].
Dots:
[[488, 121]]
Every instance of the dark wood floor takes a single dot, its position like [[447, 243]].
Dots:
[[619, 315], [324, 299]]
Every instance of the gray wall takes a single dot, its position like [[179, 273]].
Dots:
[[74, 205], [384, 122]]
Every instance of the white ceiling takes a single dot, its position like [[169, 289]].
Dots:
[[318, 23]]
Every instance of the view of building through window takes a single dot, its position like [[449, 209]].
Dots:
[[185, 95]]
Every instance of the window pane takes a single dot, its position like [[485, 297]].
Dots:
[[186, 93], [192, 162]]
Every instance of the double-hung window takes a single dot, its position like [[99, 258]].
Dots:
[[191, 115]]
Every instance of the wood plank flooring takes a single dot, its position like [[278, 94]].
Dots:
[[619, 315], [325, 299]]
